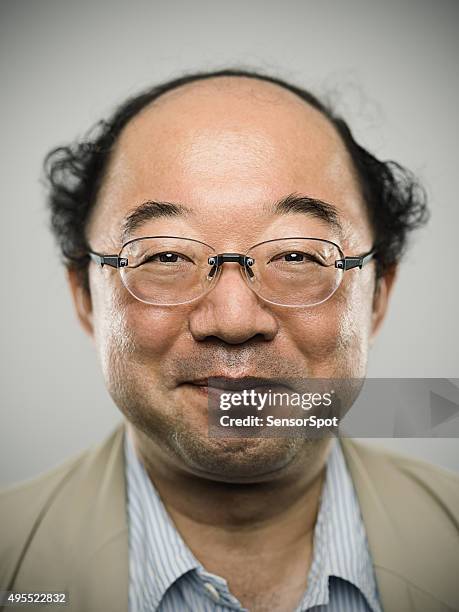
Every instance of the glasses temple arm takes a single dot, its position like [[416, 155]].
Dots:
[[115, 261], [347, 263]]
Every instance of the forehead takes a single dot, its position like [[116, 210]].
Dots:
[[226, 148]]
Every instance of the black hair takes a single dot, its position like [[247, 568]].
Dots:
[[396, 201]]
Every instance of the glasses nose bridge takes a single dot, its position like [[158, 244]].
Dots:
[[217, 261]]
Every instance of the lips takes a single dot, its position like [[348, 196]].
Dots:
[[233, 384]]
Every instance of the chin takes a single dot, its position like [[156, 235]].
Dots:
[[236, 460]]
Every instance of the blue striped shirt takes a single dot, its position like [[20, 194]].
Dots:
[[165, 576]]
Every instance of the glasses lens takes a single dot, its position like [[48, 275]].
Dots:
[[295, 271], [166, 271]]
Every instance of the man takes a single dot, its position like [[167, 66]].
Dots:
[[158, 216]]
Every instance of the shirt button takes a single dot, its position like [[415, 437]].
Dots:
[[212, 591]]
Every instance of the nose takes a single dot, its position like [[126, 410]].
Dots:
[[231, 312]]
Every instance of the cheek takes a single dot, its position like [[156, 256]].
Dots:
[[153, 330], [114, 341], [129, 333], [333, 336]]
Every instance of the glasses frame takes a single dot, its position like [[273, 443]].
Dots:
[[217, 260]]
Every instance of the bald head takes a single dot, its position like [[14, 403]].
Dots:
[[246, 122], [227, 147]]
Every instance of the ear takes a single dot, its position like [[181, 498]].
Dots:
[[81, 300], [383, 290]]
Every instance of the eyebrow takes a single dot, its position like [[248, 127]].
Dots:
[[150, 209], [295, 203]]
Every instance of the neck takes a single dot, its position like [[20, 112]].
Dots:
[[249, 517]]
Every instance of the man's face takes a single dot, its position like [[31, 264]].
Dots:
[[227, 149]]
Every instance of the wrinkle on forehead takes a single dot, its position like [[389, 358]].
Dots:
[[228, 153]]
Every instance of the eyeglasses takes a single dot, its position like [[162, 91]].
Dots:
[[168, 270]]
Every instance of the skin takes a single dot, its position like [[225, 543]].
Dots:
[[227, 148]]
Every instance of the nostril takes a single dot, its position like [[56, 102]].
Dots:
[[218, 341]]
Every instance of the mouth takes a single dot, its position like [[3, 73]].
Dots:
[[229, 384]]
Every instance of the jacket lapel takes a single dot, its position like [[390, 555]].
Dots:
[[100, 581]]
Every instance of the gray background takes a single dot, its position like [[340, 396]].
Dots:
[[64, 64]]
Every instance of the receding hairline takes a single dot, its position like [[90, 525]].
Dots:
[[254, 89], [228, 82], [262, 90]]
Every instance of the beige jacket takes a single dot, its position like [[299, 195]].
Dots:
[[67, 530]]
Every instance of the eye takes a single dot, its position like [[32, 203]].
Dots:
[[166, 257], [295, 257]]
